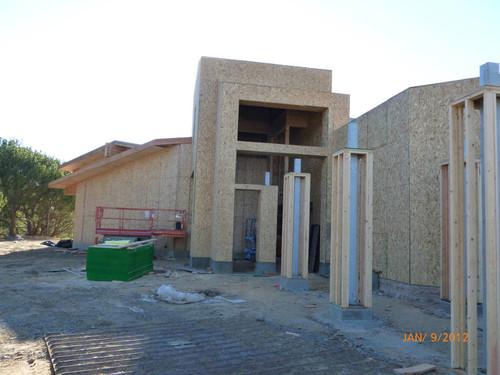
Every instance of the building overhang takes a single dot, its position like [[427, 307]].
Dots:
[[69, 182]]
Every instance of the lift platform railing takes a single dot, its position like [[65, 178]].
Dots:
[[140, 221]]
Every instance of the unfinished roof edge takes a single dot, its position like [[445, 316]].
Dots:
[[264, 74], [442, 82], [89, 157], [117, 159], [411, 88]]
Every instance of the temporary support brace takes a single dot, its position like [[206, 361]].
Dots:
[[464, 270], [295, 235], [351, 245]]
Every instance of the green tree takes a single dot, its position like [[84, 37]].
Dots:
[[31, 208]]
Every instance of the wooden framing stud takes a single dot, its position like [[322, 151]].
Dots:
[[466, 230]]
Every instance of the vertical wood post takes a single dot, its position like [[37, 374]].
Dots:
[[295, 235], [474, 240], [491, 230], [457, 231], [346, 294]]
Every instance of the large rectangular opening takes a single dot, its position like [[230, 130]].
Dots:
[[251, 169], [290, 126]]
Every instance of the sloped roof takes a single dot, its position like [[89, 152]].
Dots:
[[107, 157], [94, 156]]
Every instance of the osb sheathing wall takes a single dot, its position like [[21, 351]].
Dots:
[[429, 146], [330, 102], [251, 73], [221, 86], [157, 180], [276, 95], [204, 131], [409, 136]]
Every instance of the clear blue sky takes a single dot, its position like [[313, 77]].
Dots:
[[75, 74]]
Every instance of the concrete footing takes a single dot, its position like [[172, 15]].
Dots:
[[261, 267], [355, 313], [178, 254], [446, 306], [200, 262], [221, 267], [294, 285]]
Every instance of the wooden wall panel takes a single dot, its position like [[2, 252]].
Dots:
[[152, 181], [409, 136]]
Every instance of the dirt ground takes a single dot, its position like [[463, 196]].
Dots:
[[45, 290]]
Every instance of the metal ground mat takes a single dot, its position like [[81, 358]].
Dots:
[[211, 346]]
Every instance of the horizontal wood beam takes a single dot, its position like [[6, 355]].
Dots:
[[475, 95], [281, 149], [251, 187]]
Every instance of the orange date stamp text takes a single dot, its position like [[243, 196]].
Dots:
[[435, 337]]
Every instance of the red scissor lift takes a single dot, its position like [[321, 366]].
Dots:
[[140, 222]]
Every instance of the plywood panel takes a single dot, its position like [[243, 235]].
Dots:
[[428, 147], [267, 217], [409, 135], [252, 73], [203, 165], [224, 85], [251, 169], [148, 182]]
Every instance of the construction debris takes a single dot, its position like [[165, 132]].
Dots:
[[169, 294], [65, 244], [74, 273], [195, 270], [218, 299], [131, 308], [415, 370]]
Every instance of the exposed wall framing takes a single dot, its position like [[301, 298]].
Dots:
[[465, 213], [292, 268], [445, 230], [341, 277]]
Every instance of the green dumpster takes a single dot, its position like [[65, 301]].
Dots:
[[108, 263]]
